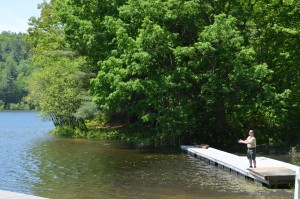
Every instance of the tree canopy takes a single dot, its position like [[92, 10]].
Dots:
[[14, 68], [170, 71]]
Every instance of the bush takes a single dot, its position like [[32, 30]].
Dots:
[[63, 131], [18, 106], [1, 105]]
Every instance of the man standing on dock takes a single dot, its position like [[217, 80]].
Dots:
[[251, 145]]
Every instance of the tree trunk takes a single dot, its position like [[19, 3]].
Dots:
[[221, 122]]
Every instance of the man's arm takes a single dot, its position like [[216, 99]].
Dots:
[[248, 141]]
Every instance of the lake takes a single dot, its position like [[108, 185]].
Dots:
[[34, 162]]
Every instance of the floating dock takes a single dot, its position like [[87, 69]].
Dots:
[[269, 172], [13, 195]]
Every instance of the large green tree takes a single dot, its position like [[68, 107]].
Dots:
[[278, 44], [181, 68], [175, 70]]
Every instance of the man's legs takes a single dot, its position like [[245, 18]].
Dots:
[[254, 163], [251, 154], [250, 162]]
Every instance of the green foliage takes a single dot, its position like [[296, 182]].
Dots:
[[103, 134], [19, 106], [63, 131], [87, 110], [187, 71], [171, 71], [14, 69], [1, 105], [58, 83]]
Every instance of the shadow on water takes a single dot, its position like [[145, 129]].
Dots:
[[80, 168], [36, 163]]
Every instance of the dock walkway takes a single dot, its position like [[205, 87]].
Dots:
[[269, 172], [13, 195]]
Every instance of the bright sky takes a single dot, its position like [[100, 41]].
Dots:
[[14, 14]]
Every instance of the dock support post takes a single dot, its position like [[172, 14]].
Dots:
[[297, 185]]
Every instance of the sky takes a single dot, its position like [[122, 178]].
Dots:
[[14, 14]]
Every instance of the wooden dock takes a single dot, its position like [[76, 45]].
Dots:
[[269, 172], [13, 195]]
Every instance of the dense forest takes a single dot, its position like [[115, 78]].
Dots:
[[14, 68], [163, 71]]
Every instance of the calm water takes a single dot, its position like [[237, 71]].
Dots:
[[36, 163]]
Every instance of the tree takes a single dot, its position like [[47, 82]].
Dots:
[[277, 41], [185, 70], [57, 85]]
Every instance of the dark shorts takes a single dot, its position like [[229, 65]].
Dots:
[[251, 153]]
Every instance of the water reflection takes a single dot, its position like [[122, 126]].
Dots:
[[36, 163], [78, 168], [18, 131]]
